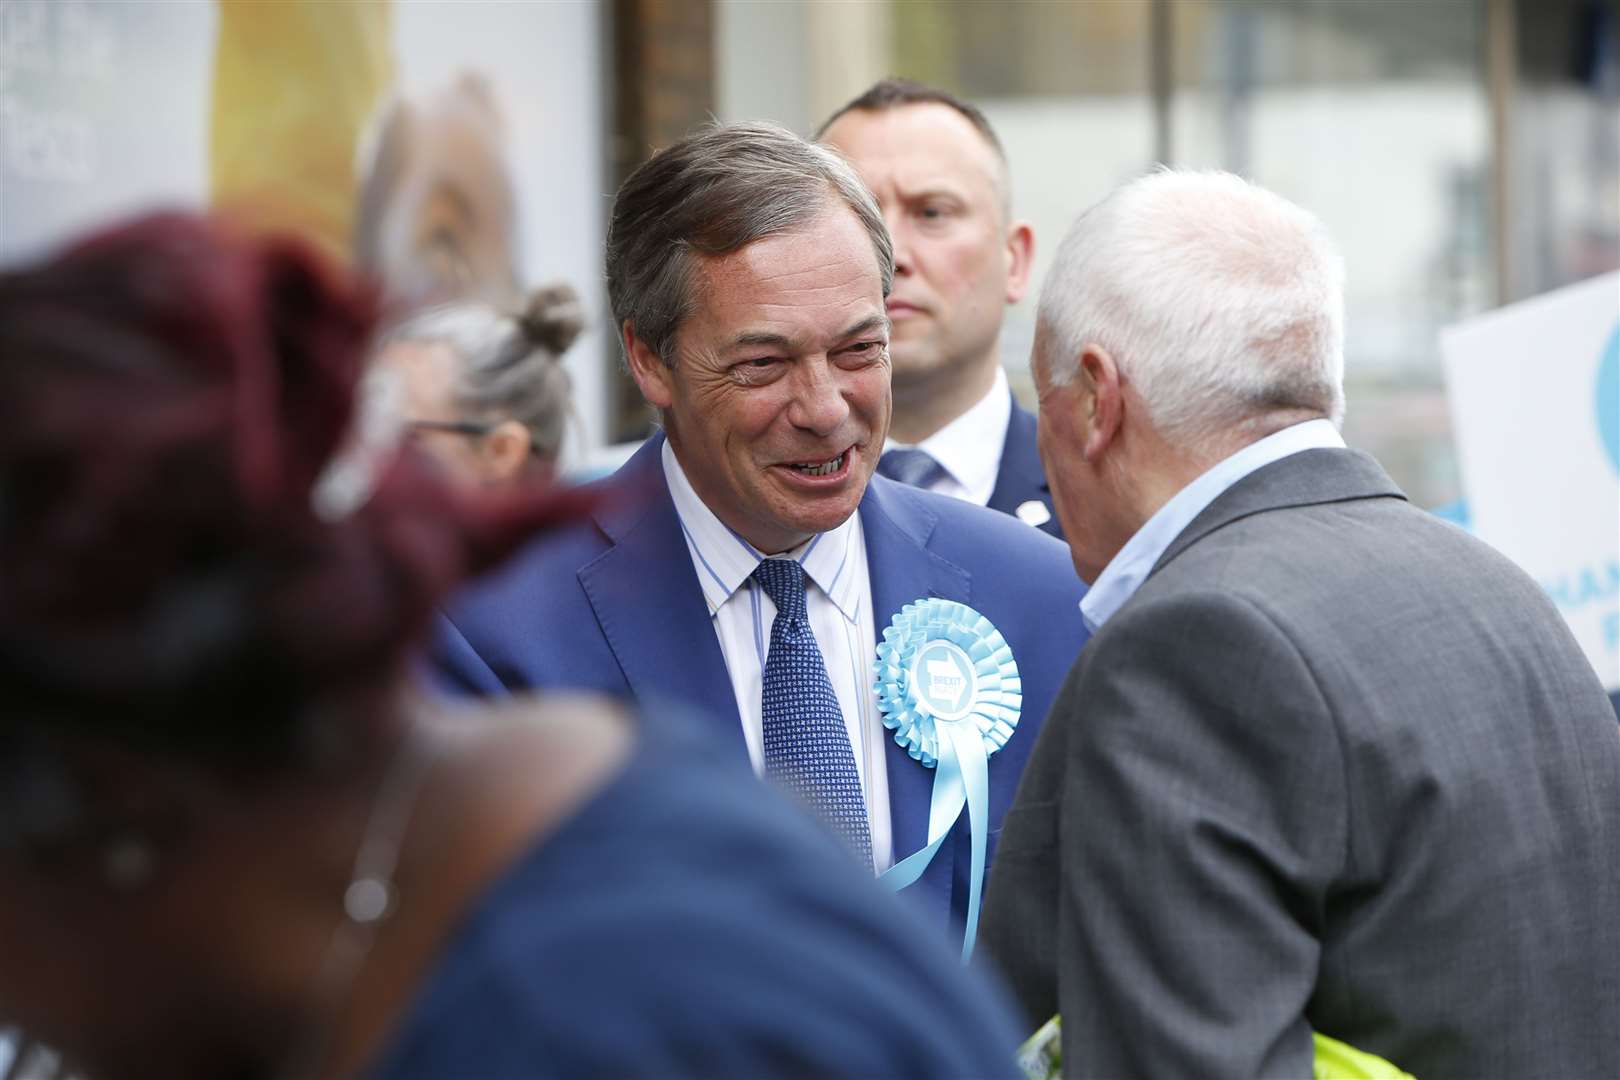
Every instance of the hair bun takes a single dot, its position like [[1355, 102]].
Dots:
[[553, 317]]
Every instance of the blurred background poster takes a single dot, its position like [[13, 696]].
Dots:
[[1535, 394], [1465, 153], [449, 149]]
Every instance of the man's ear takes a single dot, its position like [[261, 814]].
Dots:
[[652, 375], [1105, 400], [1020, 258], [506, 450]]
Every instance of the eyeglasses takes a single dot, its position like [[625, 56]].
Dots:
[[470, 428], [455, 427]]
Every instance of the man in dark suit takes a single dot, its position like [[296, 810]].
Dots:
[[747, 270], [1329, 764], [940, 177]]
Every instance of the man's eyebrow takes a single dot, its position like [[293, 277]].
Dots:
[[765, 339], [866, 326], [936, 189], [760, 338]]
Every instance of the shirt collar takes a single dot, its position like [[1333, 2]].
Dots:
[[724, 560], [969, 447], [1127, 570]]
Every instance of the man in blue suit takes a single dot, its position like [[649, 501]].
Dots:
[[746, 561], [939, 174]]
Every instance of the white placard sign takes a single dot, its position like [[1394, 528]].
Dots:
[[1535, 400]]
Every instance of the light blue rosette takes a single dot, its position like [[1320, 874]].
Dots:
[[947, 686]]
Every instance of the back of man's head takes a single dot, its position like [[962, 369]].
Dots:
[[1220, 301], [714, 192]]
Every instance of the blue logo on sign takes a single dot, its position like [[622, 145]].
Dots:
[[1608, 397]]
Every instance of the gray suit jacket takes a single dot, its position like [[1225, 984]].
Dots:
[[1336, 766]]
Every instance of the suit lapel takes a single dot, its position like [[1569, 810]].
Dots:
[[897, 526], [1308, 478], [657, 623], [1020, 477]]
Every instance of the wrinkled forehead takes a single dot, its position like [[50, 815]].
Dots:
[[810, 283], [915, 146]]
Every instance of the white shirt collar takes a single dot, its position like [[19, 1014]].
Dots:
[[724, 560], [969, 447], [1127, 570]]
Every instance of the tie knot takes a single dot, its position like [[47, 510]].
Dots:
[[783, 582], [911, 466]]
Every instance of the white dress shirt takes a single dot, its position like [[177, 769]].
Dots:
[[838, 600], [969, 447], [1127, 570]]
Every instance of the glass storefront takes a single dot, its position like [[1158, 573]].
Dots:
[[1462, 152]]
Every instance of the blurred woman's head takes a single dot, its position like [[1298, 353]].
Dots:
[[180, 626], [485, 392], [170, 395]]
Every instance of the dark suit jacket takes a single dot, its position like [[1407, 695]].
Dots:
[[613, 605], [1021, 477], [1336, 766], [683, 924]]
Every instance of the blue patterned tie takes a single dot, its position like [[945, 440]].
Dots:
[[807, 747], [911, 466]]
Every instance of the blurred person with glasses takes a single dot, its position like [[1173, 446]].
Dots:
[[486, 391]]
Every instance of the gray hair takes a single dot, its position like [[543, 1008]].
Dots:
[[1221, 301], [714, 192], [507, 366]]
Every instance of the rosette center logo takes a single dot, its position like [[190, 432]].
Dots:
[[942, 677]]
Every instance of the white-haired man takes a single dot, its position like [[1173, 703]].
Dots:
[[1328, 764]]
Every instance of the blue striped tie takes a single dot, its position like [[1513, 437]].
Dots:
[[807, 747]]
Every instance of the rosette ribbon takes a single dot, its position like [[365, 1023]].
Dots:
[[947, 686]]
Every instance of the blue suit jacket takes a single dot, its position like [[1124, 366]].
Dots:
[[1021, 477], [613, 605]]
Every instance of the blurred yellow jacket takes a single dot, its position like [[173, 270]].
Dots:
[[1041, 1058]]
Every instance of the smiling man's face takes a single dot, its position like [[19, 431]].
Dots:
[[778, 402]]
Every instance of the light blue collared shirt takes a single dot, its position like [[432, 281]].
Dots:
[[1127, 570], [838, 602]]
